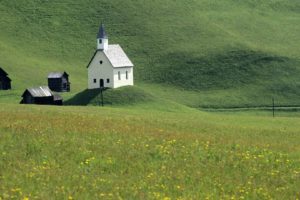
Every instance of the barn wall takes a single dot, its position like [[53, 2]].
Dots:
[[100, 71], [65, 80], [8, 85], [44, 100], [28, 99], [5, 83], [55, 84]]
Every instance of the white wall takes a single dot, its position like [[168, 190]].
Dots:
[[123, 81], [100, 71], [103, 45]]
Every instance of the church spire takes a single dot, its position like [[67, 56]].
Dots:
[[102, 39], [101, 33]]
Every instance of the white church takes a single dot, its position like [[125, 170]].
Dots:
[[109, 67]]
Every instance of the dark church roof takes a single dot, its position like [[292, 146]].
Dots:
[[57, 74], [101, 33]]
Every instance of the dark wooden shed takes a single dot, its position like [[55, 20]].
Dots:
[[41, 95], [59, 81], [5, 81]]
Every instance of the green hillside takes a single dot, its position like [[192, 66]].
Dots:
[[200, 53]]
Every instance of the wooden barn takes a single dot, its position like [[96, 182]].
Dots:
[[41, 95], [59, 81], [5, 81]]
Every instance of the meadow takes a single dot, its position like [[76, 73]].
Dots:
[[196, 125], [122, 153]]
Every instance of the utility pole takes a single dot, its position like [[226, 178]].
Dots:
[[101, 93]]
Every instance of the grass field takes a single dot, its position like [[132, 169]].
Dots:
[[123, 153], [221, 53], [196, 125]]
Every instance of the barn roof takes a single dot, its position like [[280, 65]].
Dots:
[[101, 33], [56, 74], [116, 56], [41, 91], [3, 72]]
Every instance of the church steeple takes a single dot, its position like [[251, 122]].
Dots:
[[102, 39]]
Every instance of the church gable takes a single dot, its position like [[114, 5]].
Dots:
[[99, 59]]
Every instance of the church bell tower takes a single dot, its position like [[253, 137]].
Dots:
[[102, 39]]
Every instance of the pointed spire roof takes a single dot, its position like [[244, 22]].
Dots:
[[101, 33]]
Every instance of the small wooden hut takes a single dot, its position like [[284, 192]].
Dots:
[[59, 81], [5, 81], [41, 95]]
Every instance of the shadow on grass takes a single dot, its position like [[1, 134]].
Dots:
[[128, 95], [84, 98], [222, 71]]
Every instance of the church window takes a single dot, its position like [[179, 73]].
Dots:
[[107, 80], [95, 80], [101, 61], [119, 75], [100, 41], [126, 75]]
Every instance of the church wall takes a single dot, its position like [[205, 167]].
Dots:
[[100, 71], [123, 81]]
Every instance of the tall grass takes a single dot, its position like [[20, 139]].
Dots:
[[107, 153]]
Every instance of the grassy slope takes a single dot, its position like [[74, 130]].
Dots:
[[91, 153], [227, 53]]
